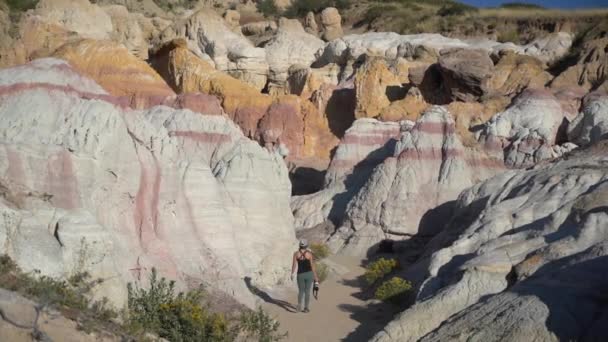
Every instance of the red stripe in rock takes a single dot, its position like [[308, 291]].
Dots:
[[435, 127], [12, 89], [430, 153], [203, 137]]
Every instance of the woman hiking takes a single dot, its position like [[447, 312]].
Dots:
[[303, 261]]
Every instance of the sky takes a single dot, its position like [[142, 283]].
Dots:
[[545, 3]]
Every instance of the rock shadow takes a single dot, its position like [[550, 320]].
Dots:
[[372, 318], [268, 298], [357, 178]]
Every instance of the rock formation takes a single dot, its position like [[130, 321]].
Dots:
[[532, 244], [285, 120], [332, 24], [375, 87], [92, 185], [290, 46], [528, 130], [117, 71], [208, 35]]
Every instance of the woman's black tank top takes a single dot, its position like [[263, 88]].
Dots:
[[303, 263]]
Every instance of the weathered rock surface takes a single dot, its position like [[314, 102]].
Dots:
[[429, 167], [520, 259], [375, 87], [120, 73], [463, 72], [80, 16], [208, 35], [19, 321], [365, 145], [527, 131], [332, 24], [285, 120], [591, 125], [92, 185], [290, 46], [590, 69], [387, 44], [310, 24], [514, 73]]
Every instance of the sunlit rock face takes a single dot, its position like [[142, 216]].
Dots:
[[89, 184]]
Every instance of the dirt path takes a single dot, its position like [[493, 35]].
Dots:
[[337, 314]]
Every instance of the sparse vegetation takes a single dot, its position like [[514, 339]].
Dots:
[[158, 309], [168, 5], [523, 5], [379, 269], [322, 271], [299, 8], [176, 317], [319, 250], [508, 36], [15, 9], [268, 8], [260, 326], [455, 8], [394, 290]]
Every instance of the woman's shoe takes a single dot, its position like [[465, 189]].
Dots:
[[306, 310]]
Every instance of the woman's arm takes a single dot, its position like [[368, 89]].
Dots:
[[314, 269], [294, 266]]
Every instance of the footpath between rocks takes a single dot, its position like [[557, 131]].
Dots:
[[340, 314]]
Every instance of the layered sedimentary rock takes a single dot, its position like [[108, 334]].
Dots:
[[528, 130], [290, 46], [121, 74], [375, 87], [208, 35], [287, 121], [92, 185], [365, 145], [428, 168], [521, 259]]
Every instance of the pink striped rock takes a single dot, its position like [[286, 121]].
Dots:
[[366, 144], [428, 169], [527, 131], [92, 185]]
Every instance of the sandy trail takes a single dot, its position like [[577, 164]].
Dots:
[[337, 314]]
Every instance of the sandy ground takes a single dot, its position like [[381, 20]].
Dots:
[[339, 312]]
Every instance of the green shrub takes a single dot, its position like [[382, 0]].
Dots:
[[268, 8], [508, 36], [322, 271], [300, 8], [455, 8], [319, 250], [176, 317], [21, 5], [379, 269], [393, 290], [260, 326], [522, 5]]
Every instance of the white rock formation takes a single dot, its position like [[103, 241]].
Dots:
[[532, 243], [591, 124], [90, 185], [387, 44], [365, 145], [291, 45], [208, 35], [80, 16], [428, 169], [527, 130]]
